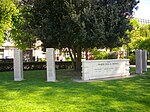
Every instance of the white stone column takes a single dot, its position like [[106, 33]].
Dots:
[[138, 61], [50, 59], [18, 65], [144, 60]]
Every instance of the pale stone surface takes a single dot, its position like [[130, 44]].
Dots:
[[51, 73], [144, 60], [18, 65], [94, 69], [138, 54]]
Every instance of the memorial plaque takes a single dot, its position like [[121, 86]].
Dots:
[[104, 68]]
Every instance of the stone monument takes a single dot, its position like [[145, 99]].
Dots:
[[51, 77], [138, 62], [18, 65], [144, 60], [96, 69]]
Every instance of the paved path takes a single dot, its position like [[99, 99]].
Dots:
[[110, 78], [148, 66]]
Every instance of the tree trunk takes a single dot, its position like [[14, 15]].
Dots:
[[76, 56], [72, 58], [86, 55], [110, 49], [78, 59]]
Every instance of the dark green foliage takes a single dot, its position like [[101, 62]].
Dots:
[[104, 55], [59, 23], [7, 65], [132, 59], [112, 55], [99, 54], [88, 24], [116, 21]]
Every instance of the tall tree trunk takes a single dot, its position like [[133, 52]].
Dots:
[[72, 58], [76, 56], [86, 54], [78, 59]]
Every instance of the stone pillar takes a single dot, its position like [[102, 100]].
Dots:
[[138, 62], [50, 57], [144, 60], [18, 65]]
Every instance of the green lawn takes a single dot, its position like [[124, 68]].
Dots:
[[34, 94]]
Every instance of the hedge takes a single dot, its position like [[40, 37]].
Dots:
[[8, 66]]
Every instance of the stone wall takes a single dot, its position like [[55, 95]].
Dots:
[[94, 69]]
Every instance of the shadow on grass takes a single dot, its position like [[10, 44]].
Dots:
[[124, 95]]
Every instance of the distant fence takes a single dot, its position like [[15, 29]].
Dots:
[[8, 65]]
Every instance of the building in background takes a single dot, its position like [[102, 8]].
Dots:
[[143, 21], [1, 52], [7, 51]]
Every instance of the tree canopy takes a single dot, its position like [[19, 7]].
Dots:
[[140, 36], [14, 22], [95, 23], [7, 11], [21, 32]]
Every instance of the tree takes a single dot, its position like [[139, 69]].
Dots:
[[60, 24], [7, 11], [79, 25], [21, 32], [140, 36], [14, 23], [144, 43]]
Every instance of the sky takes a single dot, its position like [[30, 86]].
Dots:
[[143, 11]]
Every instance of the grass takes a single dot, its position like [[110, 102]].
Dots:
[[34, 94]]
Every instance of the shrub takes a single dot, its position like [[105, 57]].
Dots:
[[35, 66], [99, 54], [132, 59], [112, 55]]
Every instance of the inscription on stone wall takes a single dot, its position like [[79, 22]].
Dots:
[[92, 69]]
